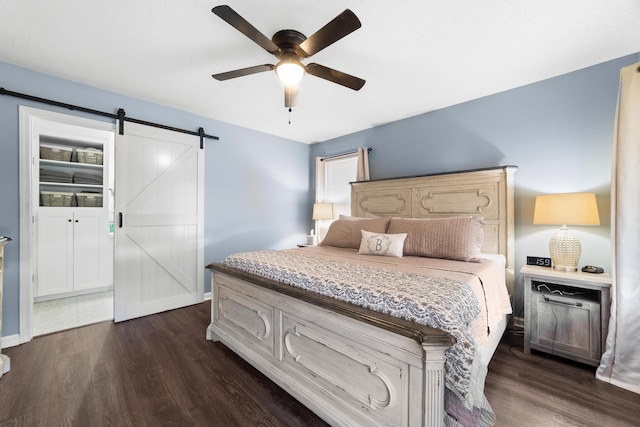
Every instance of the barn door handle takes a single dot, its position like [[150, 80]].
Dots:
[[119, 219]]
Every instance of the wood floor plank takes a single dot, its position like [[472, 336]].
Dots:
[[161, 371], [266, 393], [231, 385], [537, 390], [72, 401], [154, 397], [181, 373], [37, 418], [29, 393], [73, 342], [102, 343], [149, 379], [115, 399]]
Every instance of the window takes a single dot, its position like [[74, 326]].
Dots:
[[333, 176]]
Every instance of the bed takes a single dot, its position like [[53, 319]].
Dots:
[[384, 354]]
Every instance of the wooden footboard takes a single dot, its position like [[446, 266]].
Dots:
[[349, 365]]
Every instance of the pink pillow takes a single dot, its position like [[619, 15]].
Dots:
[[345, 233], [456, 238]]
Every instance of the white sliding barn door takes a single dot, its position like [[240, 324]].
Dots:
[[159, 215]]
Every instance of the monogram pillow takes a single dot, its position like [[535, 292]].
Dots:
[[382, 244]]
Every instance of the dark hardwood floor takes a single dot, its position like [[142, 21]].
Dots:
[[540, 390], [160, 371]]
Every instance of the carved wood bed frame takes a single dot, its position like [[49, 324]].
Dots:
[[350, 365]]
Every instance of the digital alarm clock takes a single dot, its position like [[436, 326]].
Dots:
[[539, 261]]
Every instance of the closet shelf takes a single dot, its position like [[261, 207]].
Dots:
[[70, 185], [73, 165]]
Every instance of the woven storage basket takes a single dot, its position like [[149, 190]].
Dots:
[[56, 152], [89, 200], [55, 198], [93, 157]]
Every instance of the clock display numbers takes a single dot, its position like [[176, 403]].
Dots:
[[539, 261]]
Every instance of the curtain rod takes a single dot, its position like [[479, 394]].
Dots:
[[119, 116], [343, 154]]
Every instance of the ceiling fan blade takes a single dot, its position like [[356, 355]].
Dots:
[[243, 72], [335, 76], [290, 96], [241, 24], [343, 24]]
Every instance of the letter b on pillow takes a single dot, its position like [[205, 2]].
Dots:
[[382, 244]]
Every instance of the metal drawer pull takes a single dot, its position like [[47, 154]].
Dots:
[[577, 304]]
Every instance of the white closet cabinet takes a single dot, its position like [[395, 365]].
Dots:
[[71, 182], [73, 251]]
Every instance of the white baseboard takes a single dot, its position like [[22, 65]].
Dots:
[[10, 341], [207, 296]]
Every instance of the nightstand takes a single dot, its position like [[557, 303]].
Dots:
[[566, 313]]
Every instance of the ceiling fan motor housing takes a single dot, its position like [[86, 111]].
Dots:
[[289, 43]]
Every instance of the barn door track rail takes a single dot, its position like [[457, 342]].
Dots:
[[120, 116]]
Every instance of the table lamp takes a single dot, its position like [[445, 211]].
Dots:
[[566, 209], [322, 211]]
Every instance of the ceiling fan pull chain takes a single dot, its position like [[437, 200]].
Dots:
[[289, 115]]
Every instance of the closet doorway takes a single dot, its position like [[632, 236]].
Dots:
[[66, 222], [87, 248]]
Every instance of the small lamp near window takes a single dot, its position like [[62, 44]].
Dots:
[[322, 211], [566, 209]]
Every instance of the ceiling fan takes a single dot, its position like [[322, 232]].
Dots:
[[291, 47]]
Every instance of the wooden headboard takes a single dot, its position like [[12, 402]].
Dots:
[[488, 193]]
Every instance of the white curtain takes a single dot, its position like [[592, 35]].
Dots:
[[620, 364], [363, 165]]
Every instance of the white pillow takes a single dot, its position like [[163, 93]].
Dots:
[[382, 244]]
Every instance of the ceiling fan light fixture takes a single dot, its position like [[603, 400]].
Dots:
[[290, 71], [290, 47]]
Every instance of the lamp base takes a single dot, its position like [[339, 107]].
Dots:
[[564, 268], [565, 250]]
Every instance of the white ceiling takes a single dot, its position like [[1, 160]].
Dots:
[[416, 55]]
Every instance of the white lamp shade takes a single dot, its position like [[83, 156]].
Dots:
[[566, 208], [323, 211]]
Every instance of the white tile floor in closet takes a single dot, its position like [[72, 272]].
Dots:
[[66, 313]]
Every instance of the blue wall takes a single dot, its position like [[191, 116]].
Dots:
[[256, 185], [559, 133]]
